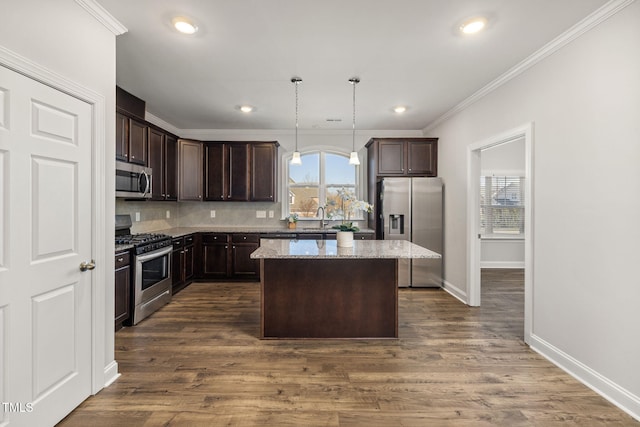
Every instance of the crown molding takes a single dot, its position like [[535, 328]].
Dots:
[[606, 11], [105, 18], [162, 124]]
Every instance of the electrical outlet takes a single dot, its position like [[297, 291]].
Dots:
[[270, 214], [137, 216], [261, 214], [168, 214], [213, 214]]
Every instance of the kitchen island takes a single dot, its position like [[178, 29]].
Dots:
[[314, 289]]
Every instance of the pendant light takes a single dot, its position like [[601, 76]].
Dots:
[[353, 159], [295, 160]]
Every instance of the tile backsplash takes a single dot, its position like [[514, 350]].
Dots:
[[153, 215]]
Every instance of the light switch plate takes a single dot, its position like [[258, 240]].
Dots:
[[270, 214], [213, 213], [137, 216], [261, 214], [168, 214]]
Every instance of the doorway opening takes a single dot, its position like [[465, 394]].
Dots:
[[474, 242]]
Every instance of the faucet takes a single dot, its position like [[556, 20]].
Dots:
[[322, 223]]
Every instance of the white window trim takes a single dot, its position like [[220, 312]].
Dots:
[[284, 174]]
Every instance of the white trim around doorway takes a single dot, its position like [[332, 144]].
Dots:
[[473, 218]]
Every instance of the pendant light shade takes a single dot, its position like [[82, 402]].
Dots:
[[353, 159], [295, 159]]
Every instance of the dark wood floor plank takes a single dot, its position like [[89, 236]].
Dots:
[[198, 362]]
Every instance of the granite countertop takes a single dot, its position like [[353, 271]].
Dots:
[[328, 249], [121, 248], [183, 231]]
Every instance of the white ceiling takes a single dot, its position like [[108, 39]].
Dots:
[[406, 52]]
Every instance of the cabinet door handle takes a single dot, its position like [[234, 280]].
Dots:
[[120, 259]]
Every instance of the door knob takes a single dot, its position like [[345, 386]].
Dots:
[[84, 266]]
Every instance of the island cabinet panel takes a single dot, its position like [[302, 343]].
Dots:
[[329, 298], [264, 169], [190, 170], [122, 288], [215, 256]]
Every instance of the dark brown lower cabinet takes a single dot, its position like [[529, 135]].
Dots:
[[182, 263], [215, 258], [122, 288], [228, 256], [242, 266]]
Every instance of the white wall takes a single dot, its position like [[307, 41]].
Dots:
[[62, 37], [504, 159], [584, 101]]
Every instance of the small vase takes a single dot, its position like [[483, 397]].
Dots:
[[345, 239]]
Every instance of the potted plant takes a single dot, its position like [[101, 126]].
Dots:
[[346, 229], [291, 220]]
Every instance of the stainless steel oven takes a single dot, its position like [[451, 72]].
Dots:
[[151, 269], [152, 282]]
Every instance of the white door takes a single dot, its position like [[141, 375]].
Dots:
[[45, 230]]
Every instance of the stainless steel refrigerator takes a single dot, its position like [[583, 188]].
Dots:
[[411, 209]]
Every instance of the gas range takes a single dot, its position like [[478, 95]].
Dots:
[[143, 242]]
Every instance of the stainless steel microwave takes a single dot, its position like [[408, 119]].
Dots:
[[133, 181]]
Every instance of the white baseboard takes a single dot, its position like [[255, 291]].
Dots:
[[615, 394], [111, 373], [455, 291], [502, 264]]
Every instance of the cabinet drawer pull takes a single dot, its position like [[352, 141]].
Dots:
[[120, 259]]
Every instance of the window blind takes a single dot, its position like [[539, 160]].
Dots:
[[502, 205]]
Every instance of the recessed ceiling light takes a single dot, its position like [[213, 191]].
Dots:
[[473, 25], [246, 108], [400, 109], [184, 25]]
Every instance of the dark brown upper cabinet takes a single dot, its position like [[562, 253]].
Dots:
[[162, 158], [137, 142], [190, 170], [131, 140], [122, 137], [171, 167], [264, 171], [240, 171], [403, 157]]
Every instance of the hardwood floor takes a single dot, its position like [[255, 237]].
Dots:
[[198, 362]]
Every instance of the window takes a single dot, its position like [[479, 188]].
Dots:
[[316, 183], [502, 206]]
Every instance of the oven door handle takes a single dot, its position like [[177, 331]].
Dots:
[[155, 254]]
